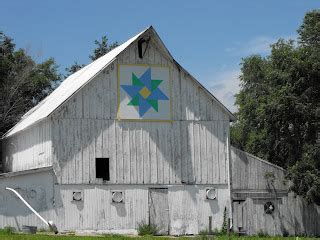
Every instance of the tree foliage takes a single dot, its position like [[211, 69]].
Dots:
[[102, 48], [73, 68], [279, 107], [23, 82]]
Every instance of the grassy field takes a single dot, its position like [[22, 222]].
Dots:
[[41, 236]]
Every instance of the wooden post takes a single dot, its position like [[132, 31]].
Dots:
[[210, 225], [228, 227]]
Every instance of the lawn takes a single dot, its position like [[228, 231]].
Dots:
[[41, 236]]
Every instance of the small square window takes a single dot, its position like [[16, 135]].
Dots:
[[102, 168], [117, 196], [77, 196]]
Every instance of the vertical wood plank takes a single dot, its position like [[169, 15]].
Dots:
[[85, 150], [126, 153], [120, 162], [114, 89], [215, 153], [209, 152], [92, 154], [203, 157], [166, 152], [191, 153], [184, 151], [197, 154], [146, 138], [139, 152], [113, 151], [183, 96], [153, 153], [160, 160], [133, 153], [177, 150], [106, 89]]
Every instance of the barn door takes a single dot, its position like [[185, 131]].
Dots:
[[159, 209], [240, 218]]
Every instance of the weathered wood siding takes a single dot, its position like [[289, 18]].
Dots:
[[251, 190], [97, 212], [249, 172], [164, 153], [28, 149], [37, 188], [191, 149], [292, 216]]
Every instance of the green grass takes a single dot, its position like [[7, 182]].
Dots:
[[42, 236]]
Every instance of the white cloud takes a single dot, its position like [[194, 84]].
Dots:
[[257, 45], [224, 86]]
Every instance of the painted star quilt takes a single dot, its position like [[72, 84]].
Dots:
[[144, 93]]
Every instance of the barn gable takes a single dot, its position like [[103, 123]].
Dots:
[[192, 148], [79, 79]]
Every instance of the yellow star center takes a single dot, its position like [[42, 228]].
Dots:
[[145, 92]]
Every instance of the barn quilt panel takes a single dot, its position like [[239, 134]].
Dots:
[[144, 93]]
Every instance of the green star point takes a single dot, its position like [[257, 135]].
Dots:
[[136, 81], [154, 104], [134, 101], [155, 84]]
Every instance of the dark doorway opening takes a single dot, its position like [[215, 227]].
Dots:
[[102, 168]]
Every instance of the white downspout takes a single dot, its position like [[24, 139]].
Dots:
[[50, 224]]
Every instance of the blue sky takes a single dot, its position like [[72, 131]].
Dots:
[[208, 38]]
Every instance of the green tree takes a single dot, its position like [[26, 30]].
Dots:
[[102, 48], [73, 68], [23, 82], [279, 107]]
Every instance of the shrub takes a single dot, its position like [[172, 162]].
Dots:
[[7, 230], [261, 233], [224, 227], [147, 229]]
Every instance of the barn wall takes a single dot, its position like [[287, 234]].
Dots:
[[248, 172], [28, 149], [191, 149], [292, 216], [144, 153], [37, 189], [251, 190], [97, 212]]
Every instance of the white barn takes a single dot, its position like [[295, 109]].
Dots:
[[161, 163], [131, 138]]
